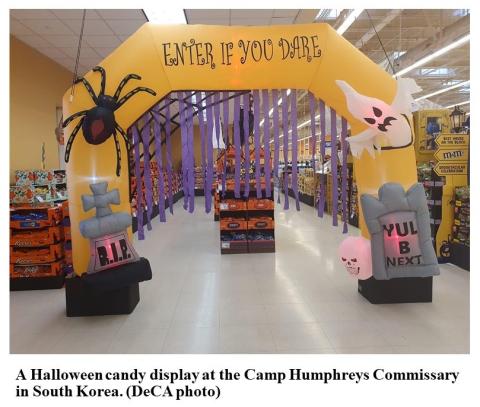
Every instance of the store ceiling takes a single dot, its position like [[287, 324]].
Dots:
[[55, 34]]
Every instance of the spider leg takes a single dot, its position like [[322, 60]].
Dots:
[[124, 135], [71, 138], [124, 82], [104, 78], [133, 92], [89, 89], [117, 147], [73, 117]]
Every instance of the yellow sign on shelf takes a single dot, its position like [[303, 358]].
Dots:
[[451, 154], [451, 168], [452, 140]]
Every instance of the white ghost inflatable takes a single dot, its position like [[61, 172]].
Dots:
[[390, 126]]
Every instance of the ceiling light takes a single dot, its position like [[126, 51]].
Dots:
[[433, 55], [457, 104], [165, 15], [438, 92], [349, 20], [271, 110]]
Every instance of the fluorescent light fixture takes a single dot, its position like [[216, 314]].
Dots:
[[299, 127], [457, 104], [438, 92], [165, 15], [349, 20], [327, 14], [271, 110], [433, 55]]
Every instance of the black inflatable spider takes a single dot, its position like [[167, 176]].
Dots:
[[98, 123]]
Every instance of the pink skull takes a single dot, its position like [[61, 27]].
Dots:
[[356, 256]]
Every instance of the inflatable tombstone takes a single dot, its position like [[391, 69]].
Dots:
[[107, 231], [399, 224]]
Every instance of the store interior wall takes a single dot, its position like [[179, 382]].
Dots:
[[37, 85]]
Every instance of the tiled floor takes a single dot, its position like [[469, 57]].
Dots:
[[298, 300]]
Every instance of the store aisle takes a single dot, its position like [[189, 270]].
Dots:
[[298, 300]]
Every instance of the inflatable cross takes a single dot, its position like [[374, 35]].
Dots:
[[107, 231]]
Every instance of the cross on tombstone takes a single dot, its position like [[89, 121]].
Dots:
[[107, 230], [101, 199]]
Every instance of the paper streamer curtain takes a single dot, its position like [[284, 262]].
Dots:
[[275, 129]]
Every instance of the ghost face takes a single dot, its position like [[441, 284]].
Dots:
[[351, 265], [384, 119], [379, 120], [355, 255]]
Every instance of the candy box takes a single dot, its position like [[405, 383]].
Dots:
[[24, 177], [21, 194], [59, 191], [42, 192], [59, 176], [43, 176]]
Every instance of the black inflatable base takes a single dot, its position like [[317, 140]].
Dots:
[[110, 292], [397, 290]]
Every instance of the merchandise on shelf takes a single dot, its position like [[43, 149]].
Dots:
[[38, 186], [38, 245], [24, 177], [461, 223], [433, 185], [43, 177], [176, 186], [352, 208], [246, 223], [22, 194]]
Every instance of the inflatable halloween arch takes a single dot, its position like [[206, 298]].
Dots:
[[197, 57]]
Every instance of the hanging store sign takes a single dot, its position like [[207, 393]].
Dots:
[[454, 168], [451, 154], [452, 140]]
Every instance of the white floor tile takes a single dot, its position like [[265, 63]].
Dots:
[[246, 338], [300, 337]]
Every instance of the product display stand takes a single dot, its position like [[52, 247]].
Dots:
[[36, 247], [111, 292], [460, 244], [247, 225], [396, 290]]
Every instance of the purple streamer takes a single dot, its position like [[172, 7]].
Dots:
[[313, 143], [246, 137], [293, 120], [146, 172], [158, 157], [183, 133], [238, 147], [285, 147], [203, 152], [333, 161], [266, 143], [256, 138], [216, 109], [138, 176], [276, 135], [321, 201], [226, 140], [209, 142], [344, 174], [168, 142], [190, 157]]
